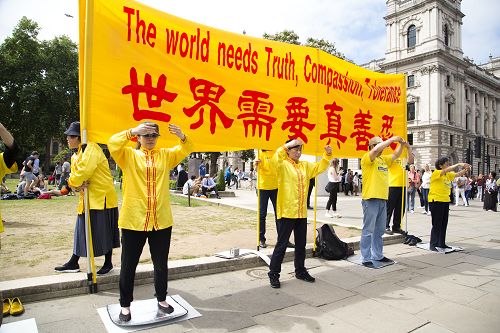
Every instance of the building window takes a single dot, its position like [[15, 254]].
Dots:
[[410, 139], [476, 100], [411, 81], [449, 108], [410, 109], [478, 125], [451, 140], [412, 36], [446, 37], [467, 121], [467, 94], [485, 102], [496, 150], [486, 127], [448, 81]]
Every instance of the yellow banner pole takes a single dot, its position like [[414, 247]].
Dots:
[[258, 202], [87, 73]]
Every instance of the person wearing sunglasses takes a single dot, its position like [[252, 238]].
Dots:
[[90, 171], [145, 213]]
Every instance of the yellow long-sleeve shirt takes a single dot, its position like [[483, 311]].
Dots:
[[146, 196], [93, 166], [5, 171], [268, 179], [293, 183]]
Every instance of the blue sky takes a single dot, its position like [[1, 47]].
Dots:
[[356, 27]]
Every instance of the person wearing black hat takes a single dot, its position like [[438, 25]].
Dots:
[[90, 171]]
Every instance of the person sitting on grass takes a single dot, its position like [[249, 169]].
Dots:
[[208, 185]]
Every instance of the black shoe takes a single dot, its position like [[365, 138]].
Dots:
[[446, 247], [263, 244], [68, 268], [274, 280], [408, 239], [433, 248], [388, 231], [399, 231], [309, 207], [367, 264], [105, 270], [166, 309], [385, 259], [304, 276], [413, 241], [125, 318], [290, 245]]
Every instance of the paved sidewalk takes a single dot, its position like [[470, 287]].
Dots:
[[423, 292]]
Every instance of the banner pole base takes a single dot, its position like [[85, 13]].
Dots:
[[91, 284]]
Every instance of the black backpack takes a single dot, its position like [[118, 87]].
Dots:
[[329, 246]]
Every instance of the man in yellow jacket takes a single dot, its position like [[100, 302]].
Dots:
[[374, 197], [293, 184]]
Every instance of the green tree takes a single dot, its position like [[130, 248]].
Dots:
[[289, 36], [38, 87]]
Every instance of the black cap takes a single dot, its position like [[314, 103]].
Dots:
[[73, 129]]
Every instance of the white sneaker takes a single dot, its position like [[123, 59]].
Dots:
[[456, 204], [412, 211], [337, 215], [429, 213], [327, 214], [424, 212]]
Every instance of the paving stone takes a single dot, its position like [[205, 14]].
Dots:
[[373, 316], [444, 290], [304, 318], [342, 278], [317, 293], [492, 253], [487, 304], [432, 328], [404, 298], [460, 318], [448, 274], [491, 287]]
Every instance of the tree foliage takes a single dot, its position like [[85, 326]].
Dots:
[[289, 36], [38, 87]]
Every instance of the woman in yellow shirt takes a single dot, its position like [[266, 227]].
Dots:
[[90, 170], [293, 182], [439, 199], [145, 212]]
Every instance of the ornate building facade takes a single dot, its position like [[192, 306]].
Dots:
[[452, 103]]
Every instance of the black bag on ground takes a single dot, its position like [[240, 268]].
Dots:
[[329, 246]]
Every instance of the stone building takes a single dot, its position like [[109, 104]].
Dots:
[[452, 103]]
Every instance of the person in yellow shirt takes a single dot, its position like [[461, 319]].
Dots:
[[90, 171], [268, 190], [396, 199], [439, 199], [293, 182], [375, 192], [7, 159], [145, 212]]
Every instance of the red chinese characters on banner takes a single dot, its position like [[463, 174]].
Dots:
[[334, 124], [361, 127], [207, 94], [386, 133], [255, 110], [297, 112], [154, 96]]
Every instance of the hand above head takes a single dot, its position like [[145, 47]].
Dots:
[[328, 149], [143, 129], [293, 143], [176, 130]]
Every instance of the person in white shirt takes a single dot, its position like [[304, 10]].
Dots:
[[460, 190], [208, 185], [334, 179], [186, 189], [426, 184]]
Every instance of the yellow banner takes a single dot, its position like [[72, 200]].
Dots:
[[229, 91]]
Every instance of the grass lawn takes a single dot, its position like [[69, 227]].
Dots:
[[39, 233]]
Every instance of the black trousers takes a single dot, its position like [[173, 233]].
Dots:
[[332, 200], [440, 212], [299, 227], [312, 183], [132, 244], [265, 196], [394, 206]]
